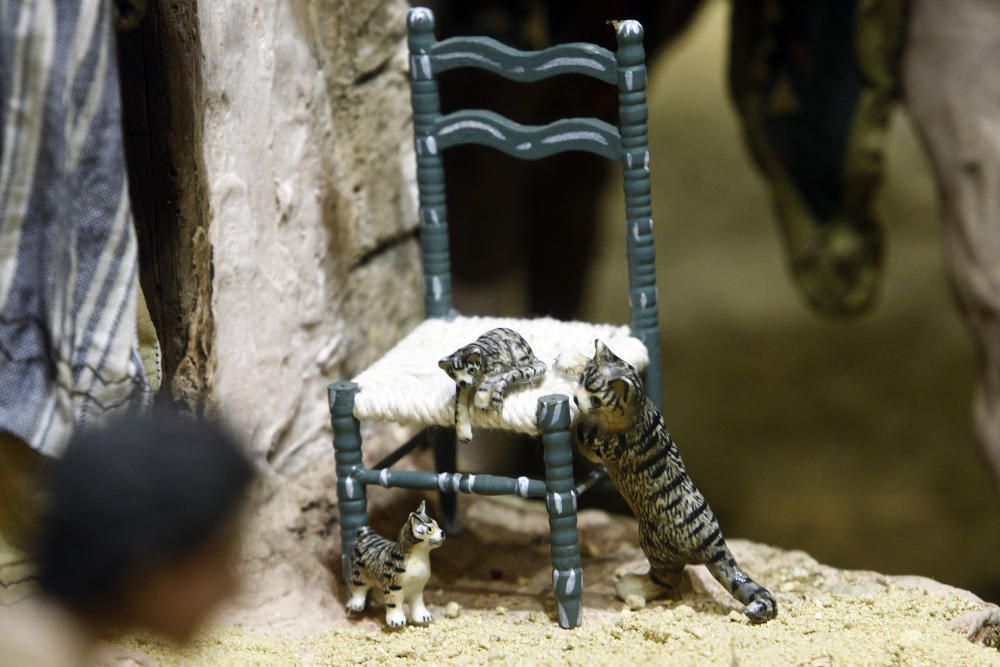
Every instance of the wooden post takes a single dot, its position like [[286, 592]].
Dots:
[[645, 321], [560, 496], [430, 171], [351, 501]]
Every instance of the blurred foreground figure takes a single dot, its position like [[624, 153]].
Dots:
[[76, 340], [140, 532]]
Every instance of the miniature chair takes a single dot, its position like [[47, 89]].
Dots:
[[406, 384]]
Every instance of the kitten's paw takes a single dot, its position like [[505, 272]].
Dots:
[[482, 398], [423, 617], [463, 433], [356, 604], [395, 619], [571, 363]]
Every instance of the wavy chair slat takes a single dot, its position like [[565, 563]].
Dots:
[[488, 54], [477, 126]]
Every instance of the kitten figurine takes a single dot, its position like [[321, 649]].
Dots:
[[399, 570], [621, 428], [484, 369]]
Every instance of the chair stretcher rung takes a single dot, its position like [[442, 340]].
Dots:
[[484, 485]]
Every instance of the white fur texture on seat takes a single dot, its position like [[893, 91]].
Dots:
[[407, 386]]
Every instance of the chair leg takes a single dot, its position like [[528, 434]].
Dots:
[[567, 573], [446, 460], [351, 502]]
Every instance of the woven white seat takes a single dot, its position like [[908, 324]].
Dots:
[[407, 386]]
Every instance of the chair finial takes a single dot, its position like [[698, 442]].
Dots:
[[629, 31], [420, 18]]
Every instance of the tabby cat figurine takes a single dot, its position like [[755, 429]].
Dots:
[[398, 570], [620, 428], [484, 369]]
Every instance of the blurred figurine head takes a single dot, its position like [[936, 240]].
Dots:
[[142, 525]]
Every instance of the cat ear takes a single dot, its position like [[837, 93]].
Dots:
[[423, 507], [445, 364], [622, 388], [602, 352]]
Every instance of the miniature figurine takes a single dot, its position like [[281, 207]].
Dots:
[[622, 429], [499, 357], [398, 570]]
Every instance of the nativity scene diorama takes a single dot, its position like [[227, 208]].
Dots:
[[224, 208]]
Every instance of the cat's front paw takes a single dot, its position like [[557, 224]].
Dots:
[[423, 617], [356, 604], [463, 432], [571, 364], [395, 618], [482, 398]]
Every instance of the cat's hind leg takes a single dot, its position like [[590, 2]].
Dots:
[[535, 370], [395, 617], [760, 604], [359, 591], [497, 384]]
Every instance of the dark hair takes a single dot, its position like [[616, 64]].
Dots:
[[140, 492]]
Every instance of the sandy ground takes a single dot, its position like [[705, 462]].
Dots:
[[498, 571]]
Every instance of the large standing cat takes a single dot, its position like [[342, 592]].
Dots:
[[622, 429], [399, 570], [485, 367]]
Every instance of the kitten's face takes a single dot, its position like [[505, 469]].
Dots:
[[463, 366], [425, 529], [610, 392]]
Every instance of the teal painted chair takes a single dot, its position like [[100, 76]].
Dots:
[[407, 386]]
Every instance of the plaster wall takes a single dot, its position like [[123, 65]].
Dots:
[[311, 192]]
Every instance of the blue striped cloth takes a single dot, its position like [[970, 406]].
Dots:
[[68, 259]]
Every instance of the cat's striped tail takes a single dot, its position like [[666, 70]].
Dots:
[[760, 604]]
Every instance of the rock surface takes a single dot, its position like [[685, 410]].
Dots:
[[308, 160], [501, 562]]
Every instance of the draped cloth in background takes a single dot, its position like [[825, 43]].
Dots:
[[69, 351]]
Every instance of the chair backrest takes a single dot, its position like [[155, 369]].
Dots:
[[628, 143]]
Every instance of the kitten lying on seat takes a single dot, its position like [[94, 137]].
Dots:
[[484, 369]]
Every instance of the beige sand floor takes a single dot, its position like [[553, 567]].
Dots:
[[501, 578]]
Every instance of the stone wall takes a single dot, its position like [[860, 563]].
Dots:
[[308, 159], [276, 202], [273, 175]]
